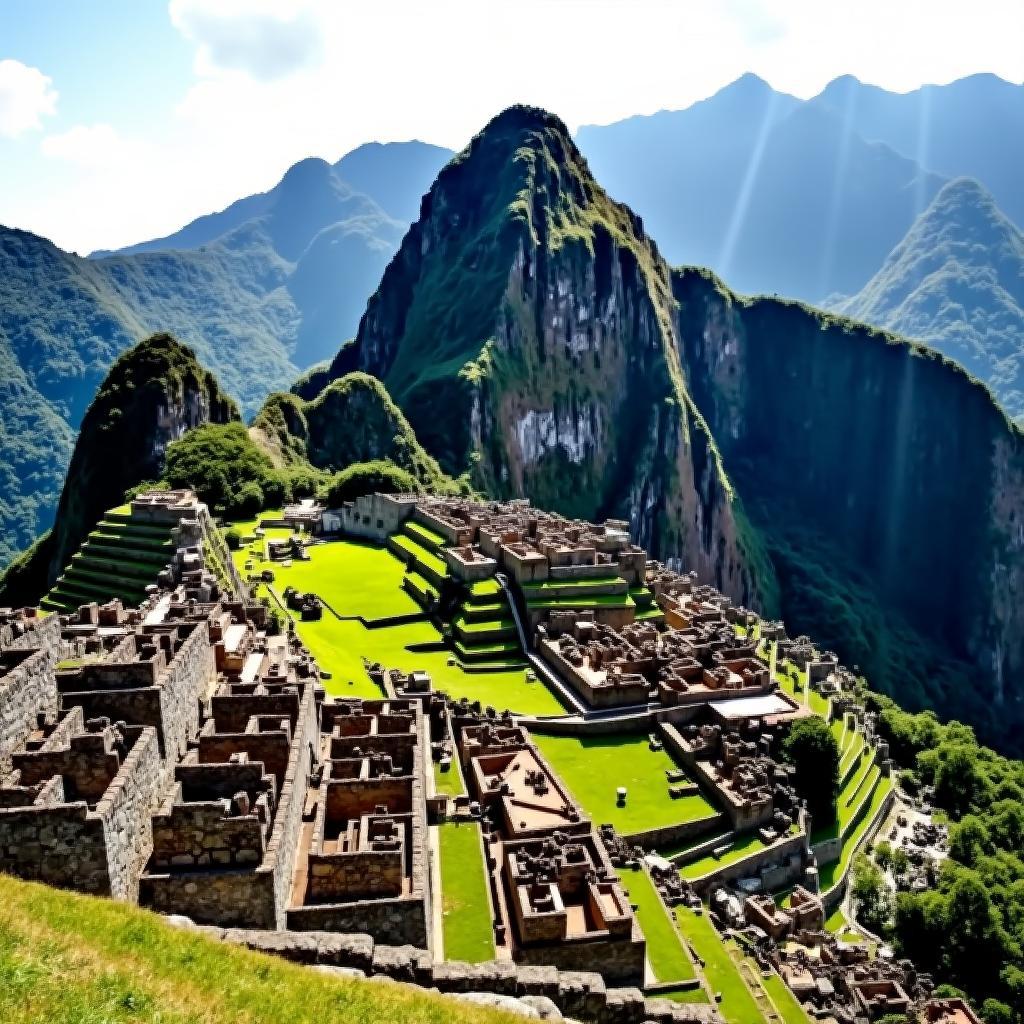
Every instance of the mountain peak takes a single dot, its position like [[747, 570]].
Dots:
[[312, 170]]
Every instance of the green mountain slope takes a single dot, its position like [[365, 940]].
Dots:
[[152, 395], [957, 282], [268, 286], [525, 329], [77, 959]]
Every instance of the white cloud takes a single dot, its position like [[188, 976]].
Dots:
[[96, 146], [266, 39], [26, 97]]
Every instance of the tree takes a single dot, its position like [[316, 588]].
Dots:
[[959, 780], [871, 895], [995, 1012], [969, 840], [899, 864], [883, 855], [233, 539], [368, 477], [813, 752]]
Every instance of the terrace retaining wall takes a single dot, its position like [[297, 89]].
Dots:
[[580, 995]]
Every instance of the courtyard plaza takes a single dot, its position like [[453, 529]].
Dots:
[[361, 588]]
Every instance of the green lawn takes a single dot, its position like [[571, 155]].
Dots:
[[450, 782], [744, 846], [682, 995], [737, 1005], [668, 957], [830, 873], [423, 555], [353, 578], [785, 1002], [339, 646], [593, 767], [466, 909]]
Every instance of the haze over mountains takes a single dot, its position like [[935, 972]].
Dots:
[[956, 281]]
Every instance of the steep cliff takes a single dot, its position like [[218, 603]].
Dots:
[[887, 485], [153, 394], [525, 327]]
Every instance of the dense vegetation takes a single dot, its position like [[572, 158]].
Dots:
[[812, 750], [231, 473], [969, 928], [956, 281]]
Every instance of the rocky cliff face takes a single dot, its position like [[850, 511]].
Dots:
[[525, 327], [895, 461], [153, 394]]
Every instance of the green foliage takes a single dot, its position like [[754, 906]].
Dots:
[[152, 392], [812, 749], [367, 477], [226, 468], [233, 539], [970, 929]]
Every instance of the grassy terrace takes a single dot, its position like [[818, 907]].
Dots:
[[360, 579], [421, 554], [594, 766], [597, 601], [425, 535], [540, 587], [738, 1005], [465, 906], [831, 873], [745, 845], [785, 1002], [79, 960], [666, 953]]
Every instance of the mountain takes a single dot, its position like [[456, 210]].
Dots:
[[394, 174], [270, 285], [774, 194], [525, 330], [956, 281], [861, 484], [973, 127], [153, 394]]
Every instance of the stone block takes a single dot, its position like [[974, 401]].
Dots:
[[581, 994], [350, 950], [544, 1006], [403, 963], [622, 1006], [537, 981]]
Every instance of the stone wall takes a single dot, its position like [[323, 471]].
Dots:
[[398, 922], [783, 859], [375, 516], [27, 689], [98, 852], [254, 896], [579, 995], [618, 961]]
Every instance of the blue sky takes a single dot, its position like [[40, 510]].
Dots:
[[123, 119]]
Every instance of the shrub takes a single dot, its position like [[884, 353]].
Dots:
[[233, 539], [368, 477]]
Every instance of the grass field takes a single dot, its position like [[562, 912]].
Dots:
[[78, 960], [593, 767], [466, 910], [665, 951], [744, 846], [722, 974], [450, 782], [354, 579], [785, 1002], [830, 873], [361, 580]]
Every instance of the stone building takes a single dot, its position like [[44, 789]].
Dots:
[[74, 812], [364, 862]]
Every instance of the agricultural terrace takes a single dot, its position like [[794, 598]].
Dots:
[[361, 582], [593, 767], [466, 908], [737, 1005], [666, 954], [745, 845]]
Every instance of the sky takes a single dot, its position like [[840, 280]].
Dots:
[[122, 120]]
